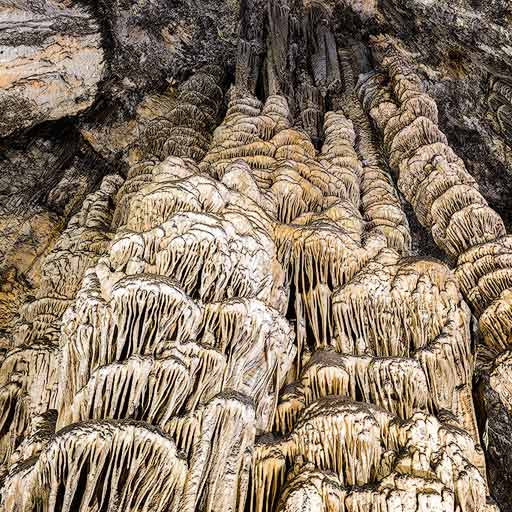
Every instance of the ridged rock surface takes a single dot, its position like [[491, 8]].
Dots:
[[259, 273]]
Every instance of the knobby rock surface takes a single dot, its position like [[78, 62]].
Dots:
[[245, 262]]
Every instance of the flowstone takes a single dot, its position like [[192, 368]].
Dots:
[[241, 324]]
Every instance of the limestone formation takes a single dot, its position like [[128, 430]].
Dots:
[[370, 445], [30, 368], [240, 322], [445, 197]]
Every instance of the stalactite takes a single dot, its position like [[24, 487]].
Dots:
[[185, 129], [250, 51], [276, 63], [311, 105], [445, 197], [220, 457], [322, 45], [140, 387]]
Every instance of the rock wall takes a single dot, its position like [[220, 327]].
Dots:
[[51, 60]]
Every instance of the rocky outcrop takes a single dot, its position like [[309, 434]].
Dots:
[[51, 61]]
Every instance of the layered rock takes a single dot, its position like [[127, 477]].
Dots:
[[51, 61]]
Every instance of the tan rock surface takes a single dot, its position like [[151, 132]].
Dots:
[[51, 61]]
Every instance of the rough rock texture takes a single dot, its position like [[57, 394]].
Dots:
[[43, 181], [150, 43], [51, 61], [259, 273], [462, 50]]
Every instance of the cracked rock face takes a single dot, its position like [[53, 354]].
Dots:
[[227, 309], [51, 61]]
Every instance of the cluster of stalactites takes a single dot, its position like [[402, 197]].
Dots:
[[405, 309], [308, 488], [326, 249], [325, 256], [444, 195], [283, 161], [430, 175], [154, 338], [337, 447], [485, 276], [379, 199], [417, 319], [85, 239], [295, 179], [396, 384], [29, 372], [116, 343], [219, 438], [214, 238], [194, 262], [104, 465], [179, 326], [271, 34], [313, 197], [185, 130], [215, 242], [203, 457]]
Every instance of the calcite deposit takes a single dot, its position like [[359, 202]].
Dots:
[[237, 316]]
